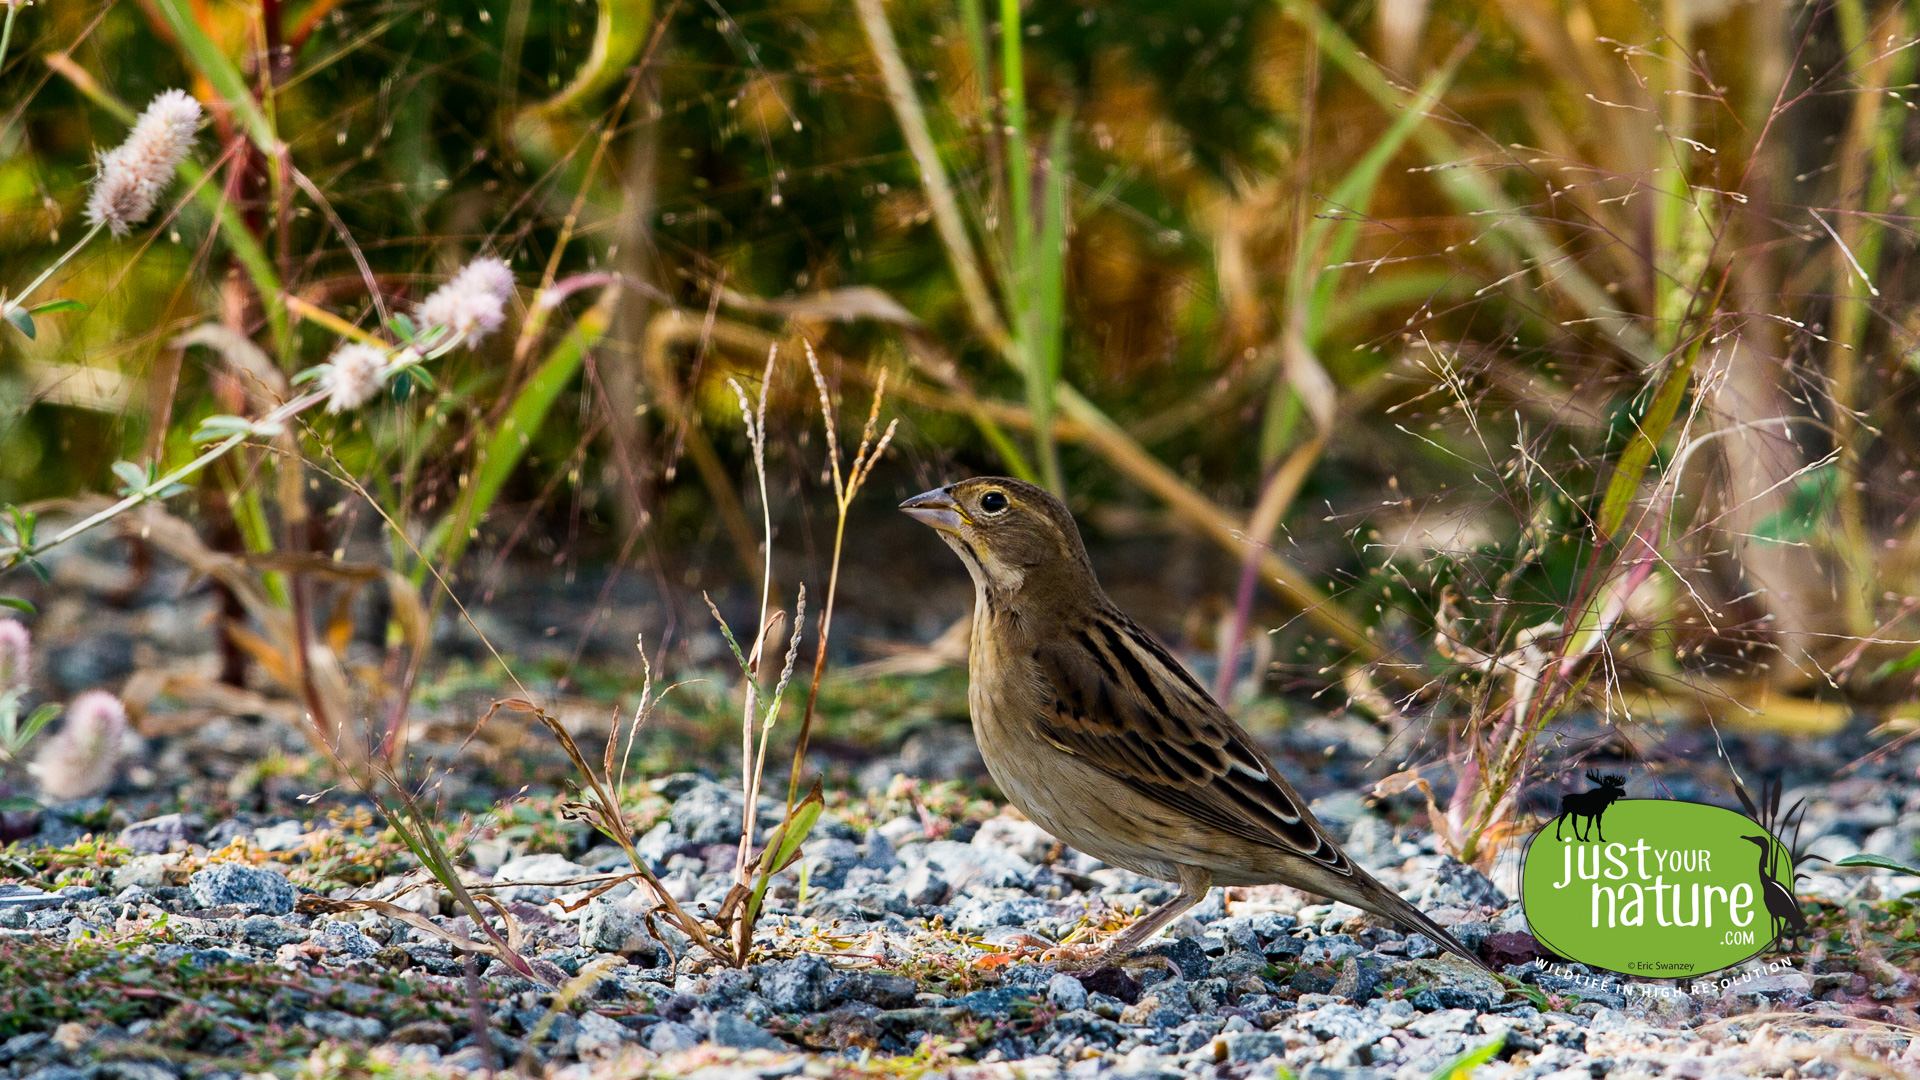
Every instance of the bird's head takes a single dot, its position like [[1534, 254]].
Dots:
[[1764, 841], [1013, 536]]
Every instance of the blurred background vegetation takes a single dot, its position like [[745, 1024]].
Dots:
[[1344, 326]]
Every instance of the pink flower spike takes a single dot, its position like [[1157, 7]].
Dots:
[[16, 653], [84, 757]]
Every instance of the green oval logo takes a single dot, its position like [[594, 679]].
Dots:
[[1656, 888]]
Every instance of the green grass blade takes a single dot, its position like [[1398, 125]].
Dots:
[[1474, 192], [508, 443], [621, 33], [1045, 307], [210, 62], [1350, 199], [1648, 433]]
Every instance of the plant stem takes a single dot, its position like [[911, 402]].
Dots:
[[20, 301], [219, 450], [6, 30], [819, 657]]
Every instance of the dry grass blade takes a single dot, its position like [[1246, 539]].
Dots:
[[845, 489], [602, 811]]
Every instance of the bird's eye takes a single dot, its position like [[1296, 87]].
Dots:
[[994, 503]]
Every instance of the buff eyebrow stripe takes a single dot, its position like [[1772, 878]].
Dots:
[[1136, 671]]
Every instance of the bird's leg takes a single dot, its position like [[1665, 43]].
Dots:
[[1194, 883]]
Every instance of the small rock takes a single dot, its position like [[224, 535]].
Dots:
[[1445, 998], [925, 887], [670, 1036], [347, 938], [977, 914], [131, 1069], [1331, 950], [266, 932], [852, 1027], [250, 888], [144, 871], [424, 1033], [1251, 1046], [902, 831], [609, 927], [1186, 954], [281, 836], [599, 1035], [345, 1026], [28, 898], [535, 868], [1441, 1022], [879, 989], [1359, 980], [1112, 981], [156, 836], [1500, 950], [706, 814], [1461, 885], [1023, 838], [1066, 992], [795, 985], [828, 861], [731, 1029]]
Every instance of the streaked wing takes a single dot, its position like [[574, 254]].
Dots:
[[1123, 704]]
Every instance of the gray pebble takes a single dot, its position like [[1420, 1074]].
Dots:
[[237, 885]]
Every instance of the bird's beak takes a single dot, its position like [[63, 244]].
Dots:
[[936, 508]]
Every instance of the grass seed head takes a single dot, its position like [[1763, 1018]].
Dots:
[[134, 174]]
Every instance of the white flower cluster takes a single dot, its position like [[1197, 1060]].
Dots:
[[83, 758], [474, 303], [134, 174], [354, 374]]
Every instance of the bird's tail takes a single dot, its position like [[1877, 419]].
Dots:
[[1387, 904]]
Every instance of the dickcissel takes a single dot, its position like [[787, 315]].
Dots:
[[1102, 738]]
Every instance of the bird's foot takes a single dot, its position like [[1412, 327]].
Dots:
[[1067, 957]]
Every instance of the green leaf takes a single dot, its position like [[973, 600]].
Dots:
[[220, 73], [221, 427], [18, 804], [36, 720], [1462, 1066], [617, 40], [1651, 429], [52, 306], [18, 604], [132, 477], [19, 318], [508, 443], [1878, 861]]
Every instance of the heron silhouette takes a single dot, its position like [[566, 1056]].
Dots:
[[1781, 905]]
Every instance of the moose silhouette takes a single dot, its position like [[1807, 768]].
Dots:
[[1588, 805]]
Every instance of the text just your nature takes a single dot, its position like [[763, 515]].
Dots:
[[1626, 904]]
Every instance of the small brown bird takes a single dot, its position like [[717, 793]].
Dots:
[[1103, 739]]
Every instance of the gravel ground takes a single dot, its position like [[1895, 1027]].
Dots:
[[910, 953], [191, 924]]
